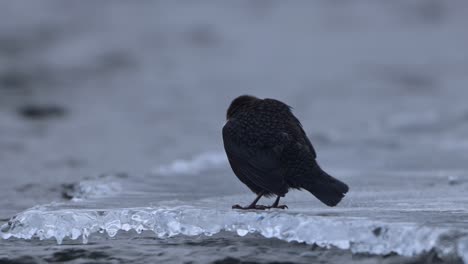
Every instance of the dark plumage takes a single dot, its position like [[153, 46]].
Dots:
[[270, 153]]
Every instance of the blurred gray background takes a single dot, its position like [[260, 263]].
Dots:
[[120, 104]]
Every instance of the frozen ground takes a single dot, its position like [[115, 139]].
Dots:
[[110, 120]]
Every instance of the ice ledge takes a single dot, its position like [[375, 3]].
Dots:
[[359, 235]]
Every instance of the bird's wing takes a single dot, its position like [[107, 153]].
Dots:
[[260, 164], [298, 130], [312, 150], [302, 134]]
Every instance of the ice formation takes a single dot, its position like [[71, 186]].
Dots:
[[360, 235], [98, 188]]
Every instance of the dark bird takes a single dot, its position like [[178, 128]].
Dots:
[[269, 152]]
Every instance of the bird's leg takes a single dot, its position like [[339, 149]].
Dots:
[[276, 204], [253, 205]]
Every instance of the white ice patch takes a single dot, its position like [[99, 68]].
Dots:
[[95, 189], [360, 235], [103, 186], [202, 162]]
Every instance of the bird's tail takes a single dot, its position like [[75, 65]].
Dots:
[[323, 186]]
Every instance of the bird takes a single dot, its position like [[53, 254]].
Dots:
[[269, 151]]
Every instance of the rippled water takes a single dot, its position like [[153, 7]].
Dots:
[[111, 115]]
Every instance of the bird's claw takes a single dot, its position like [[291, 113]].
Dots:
[[258, 207], [280, 206], [255, 207]]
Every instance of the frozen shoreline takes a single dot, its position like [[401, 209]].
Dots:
[[399, 230]]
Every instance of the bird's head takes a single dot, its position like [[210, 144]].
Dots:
[[239, 103]]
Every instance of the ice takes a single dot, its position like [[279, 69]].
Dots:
[[94, 189], [106, 185], [402, 217], [199, 163], [358, 234]]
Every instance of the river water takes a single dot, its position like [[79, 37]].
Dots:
[[111, 117]]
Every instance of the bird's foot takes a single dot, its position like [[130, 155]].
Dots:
[[250, 207], [259, 207], [279, 206]]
